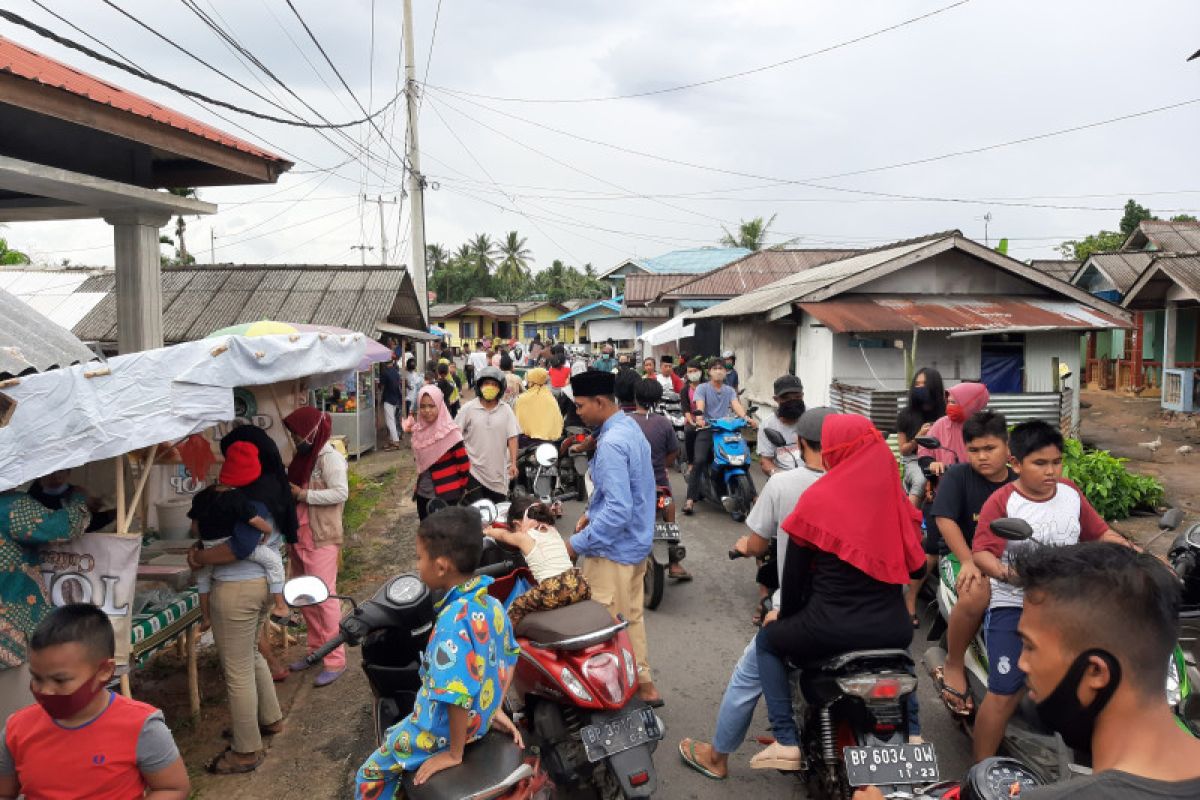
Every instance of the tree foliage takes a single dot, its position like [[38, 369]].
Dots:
[[483, 267], [11, 258], [1108, 241], [751, 234]]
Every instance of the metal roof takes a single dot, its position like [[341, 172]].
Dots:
[[693, 261], [53, 293], [1165, 236], [645, 312], [29, 342], [24, 63], [753, 272], [873, 314], [645, 287], [1122, 269], [488, 307], [1061, 268], [613, 305], [1164, 272], [199, 300], [838, 277]]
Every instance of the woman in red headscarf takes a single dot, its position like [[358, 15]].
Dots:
[[319, 484], [854, 540], [962, 401]]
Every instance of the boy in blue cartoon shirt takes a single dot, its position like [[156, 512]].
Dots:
[[464, 671]]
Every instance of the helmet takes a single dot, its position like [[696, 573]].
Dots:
[[490, 373]]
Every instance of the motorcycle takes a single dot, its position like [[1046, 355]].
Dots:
[[672, 409], [393, 628], [666, 550], [574, 689], [1025, 738], [726, 480], [537, 472], [573, 465]]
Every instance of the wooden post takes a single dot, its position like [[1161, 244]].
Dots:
[[1055, 377], [1137, 379], [120, 479], [192, 637], [123, 526]]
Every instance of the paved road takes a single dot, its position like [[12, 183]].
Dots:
[[697, 635]]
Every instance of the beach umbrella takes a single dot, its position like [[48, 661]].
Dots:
[[375, 351]]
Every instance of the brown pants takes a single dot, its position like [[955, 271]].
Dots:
[[554, 592], [619, 588], [239, 608]]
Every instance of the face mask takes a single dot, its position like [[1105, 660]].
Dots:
[[694, 377], [1061, 710], [956, 413], [56, 491], [791, 409], [920, 396], [304, 448], [65, 706], [489, 392]]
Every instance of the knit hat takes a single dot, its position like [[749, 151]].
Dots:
[[241, 467]]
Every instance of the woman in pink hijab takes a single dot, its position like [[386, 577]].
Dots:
[[437, 444], [963, 400]]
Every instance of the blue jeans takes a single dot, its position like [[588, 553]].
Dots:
[[737, 705]]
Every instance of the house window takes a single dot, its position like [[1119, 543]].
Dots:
[[466, 330], [530, 330], [552, 331]]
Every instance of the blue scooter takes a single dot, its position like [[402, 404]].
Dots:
[[726, 480]]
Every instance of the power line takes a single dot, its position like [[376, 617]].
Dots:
[[718, 79], [146, 76]]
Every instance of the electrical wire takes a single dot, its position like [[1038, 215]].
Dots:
[[307, 242], [718, 79], [146, 76]]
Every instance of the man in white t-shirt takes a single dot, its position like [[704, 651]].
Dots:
[[476, 361], [776, 501]]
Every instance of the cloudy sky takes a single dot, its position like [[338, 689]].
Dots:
[[588, 178]]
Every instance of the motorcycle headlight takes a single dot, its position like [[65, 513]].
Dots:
[[737, 461]]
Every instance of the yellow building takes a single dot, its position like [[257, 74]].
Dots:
[[486, 317]]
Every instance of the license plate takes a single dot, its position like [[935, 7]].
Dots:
[[620, 734], [666, 531], [891, 764]]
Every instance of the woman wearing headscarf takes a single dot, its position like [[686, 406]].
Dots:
[[962, 401], [537, 410], [319, 484], [443, 468], [854, 541]]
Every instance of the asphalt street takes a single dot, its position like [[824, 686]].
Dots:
[[696, 636]]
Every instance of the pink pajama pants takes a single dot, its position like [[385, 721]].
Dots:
[[322, 620]]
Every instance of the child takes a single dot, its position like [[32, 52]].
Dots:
[[80, 740], [1060, 515], [559, 583], [963, 490], [465, 669], [217, 510]]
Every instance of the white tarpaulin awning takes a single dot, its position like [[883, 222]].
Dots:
[[670, 331], [73, 416]]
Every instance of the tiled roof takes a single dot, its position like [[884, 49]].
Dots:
[[1059, 268], [645, 287], [752, 272], [200, 300], [1165, 236], [22, 62]]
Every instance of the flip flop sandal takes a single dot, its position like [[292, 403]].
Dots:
[[689, 759], [957, 703], [770, 758], [221, 765], [683, 576]]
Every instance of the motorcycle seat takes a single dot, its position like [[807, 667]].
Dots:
[[569, 627], [493, 762], [861, 661]]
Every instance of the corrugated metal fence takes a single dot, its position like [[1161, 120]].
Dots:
[[881, 406]]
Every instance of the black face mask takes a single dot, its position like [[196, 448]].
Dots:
[[304, 448], [920, 397], [1061, 710], [791, 409]]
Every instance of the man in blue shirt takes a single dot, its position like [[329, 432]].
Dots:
[[712, 401], [606, 362], [614, 536]]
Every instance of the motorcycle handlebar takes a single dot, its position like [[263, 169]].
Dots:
[[502, 568], [325, 649], [734, 555]]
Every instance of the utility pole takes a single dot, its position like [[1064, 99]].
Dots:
[[383, 246], [416, 180], [212, 245], [987, 219], [362, 248]]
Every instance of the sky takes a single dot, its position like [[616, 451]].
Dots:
[[518, 130]]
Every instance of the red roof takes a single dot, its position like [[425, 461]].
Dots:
[[22, 62], [645, 287], [870, 315]]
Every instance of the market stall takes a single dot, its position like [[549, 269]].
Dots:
[[351, 404], [125, 410]]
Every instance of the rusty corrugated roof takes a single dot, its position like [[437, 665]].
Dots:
[[877, 314], [645, 287], [31, 65], [753, 272]]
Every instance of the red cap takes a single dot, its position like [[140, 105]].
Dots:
[[241, 467]]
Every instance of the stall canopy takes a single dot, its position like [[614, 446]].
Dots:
[[31, 343], [670, 331], [86, 413]]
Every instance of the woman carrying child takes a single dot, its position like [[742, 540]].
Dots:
[[531, 530]]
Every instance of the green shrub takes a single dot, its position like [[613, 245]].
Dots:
[[1109, 487]]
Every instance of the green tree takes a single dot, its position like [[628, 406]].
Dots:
[[1102, 242], [554, 282], [512, 272], [751, 234], [1184, 218], [11, 257], [1134, 214]]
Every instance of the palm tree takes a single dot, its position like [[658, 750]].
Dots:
[[11, 257], [513, 272], [436, 256], [483, 250], [752, 234]]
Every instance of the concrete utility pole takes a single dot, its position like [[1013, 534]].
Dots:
[[212, 246], [416, 181], [362, 248], [383, 246]]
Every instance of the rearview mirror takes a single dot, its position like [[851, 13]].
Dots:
[[307, 590], [486, 509], [775, 437], [545, 454], [1012, 529], [929, 442]]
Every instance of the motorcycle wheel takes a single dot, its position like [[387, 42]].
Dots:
[[743, 492], [654, 581]]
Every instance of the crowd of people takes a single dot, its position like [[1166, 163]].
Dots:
[[1079, 618]]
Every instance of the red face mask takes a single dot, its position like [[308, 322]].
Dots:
[[65, 706], [956, 413]]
